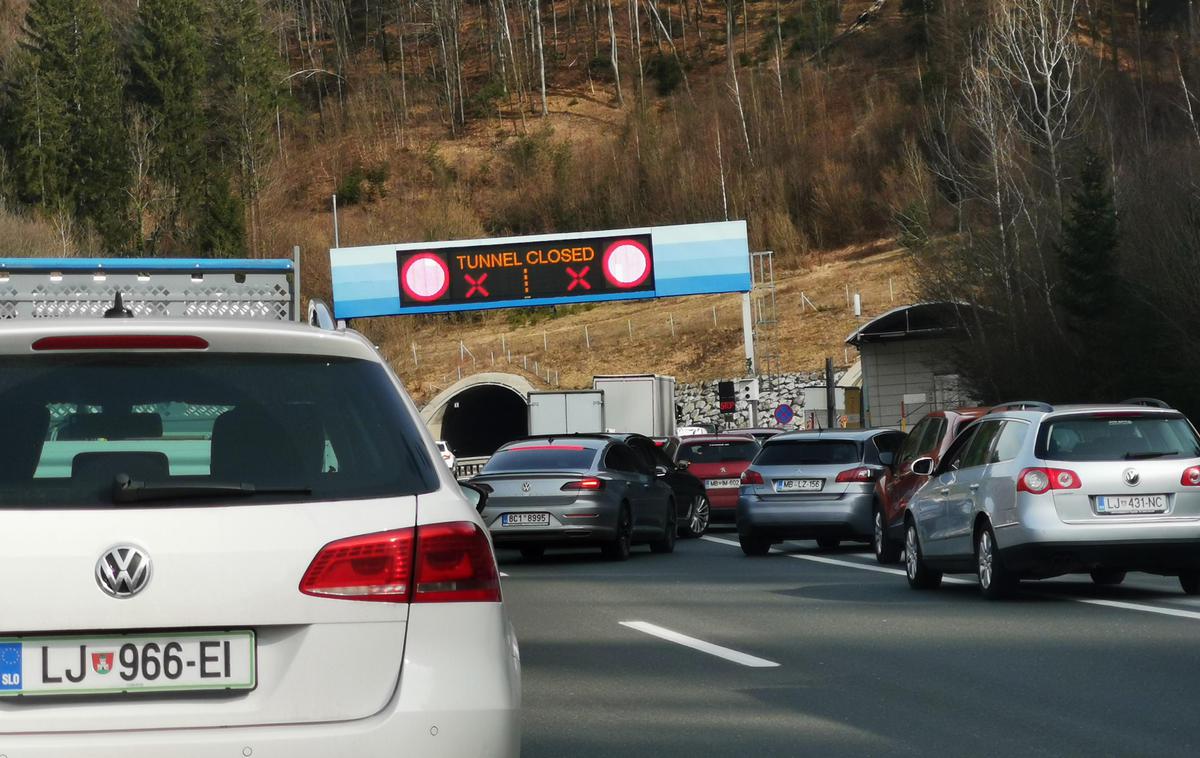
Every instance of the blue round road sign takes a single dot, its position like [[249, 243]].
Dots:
[[784, 414]]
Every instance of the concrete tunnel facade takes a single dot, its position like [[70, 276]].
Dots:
[[479, 413]]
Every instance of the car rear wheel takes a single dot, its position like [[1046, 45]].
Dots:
[[920, 576], [698, 517], [1108, 577], [826, 543], [886, 551], [1190, 582], [995, 580], [667, 543], [618, 549], [532, 553], [755, 546]]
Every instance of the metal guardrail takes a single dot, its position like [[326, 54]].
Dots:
[[465, 468]]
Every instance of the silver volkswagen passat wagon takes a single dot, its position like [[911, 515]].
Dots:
[[1032, 491]]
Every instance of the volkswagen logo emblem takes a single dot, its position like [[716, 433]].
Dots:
[[123, 571], [525, 487], [1132, 477]]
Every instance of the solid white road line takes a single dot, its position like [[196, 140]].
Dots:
[[1121, 604], [503, 575], [704, 647]]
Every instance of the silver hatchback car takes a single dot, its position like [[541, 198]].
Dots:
[[1031, 491], [816, 485]]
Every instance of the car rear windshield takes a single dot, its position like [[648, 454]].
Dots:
[[541, 458], [326, 428], [1117, 437], [732, 451], [808, 453]]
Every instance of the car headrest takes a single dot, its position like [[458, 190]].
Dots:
[[25, 427], [112, 426], [145, 466], [252, 445]]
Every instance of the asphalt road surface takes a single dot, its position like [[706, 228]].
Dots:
[[817, 653]]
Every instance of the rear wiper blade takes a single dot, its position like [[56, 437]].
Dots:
[[1144, 456], [129, 490]]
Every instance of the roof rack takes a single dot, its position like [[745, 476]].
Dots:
[[1022, 405], [1149, 402], [223, 288]]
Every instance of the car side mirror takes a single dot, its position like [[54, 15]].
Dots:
[[923, 466], [887, 459], [683, 465], [475, 495]]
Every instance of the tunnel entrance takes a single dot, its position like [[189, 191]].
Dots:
[[482, 418]]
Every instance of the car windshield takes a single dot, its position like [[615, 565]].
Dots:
[[732, 451], [532, 457], [281, 422], [808, 453], [1118, 437]]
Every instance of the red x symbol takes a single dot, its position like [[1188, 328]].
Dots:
[[577, 280], [476, 285]]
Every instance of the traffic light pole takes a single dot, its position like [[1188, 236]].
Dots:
[[748, 339]]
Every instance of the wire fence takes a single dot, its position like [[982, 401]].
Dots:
[[540, 351]]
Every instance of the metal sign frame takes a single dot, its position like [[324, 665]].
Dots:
[[691, 259], [257, 289]]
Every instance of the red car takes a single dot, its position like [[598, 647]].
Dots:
[[896, 485], [718, 460]]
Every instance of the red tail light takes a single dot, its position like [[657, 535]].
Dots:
[[1037, 481], [453, 563], [1191, 477], [591, 483], [750, 476], [122, 342], [862, 474], [375, 567]]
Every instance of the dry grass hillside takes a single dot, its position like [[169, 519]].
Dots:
[[637, 337]]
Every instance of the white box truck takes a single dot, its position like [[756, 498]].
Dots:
[[570, 412], [641, 403]]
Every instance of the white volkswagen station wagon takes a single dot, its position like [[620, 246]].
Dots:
[[232, 539]]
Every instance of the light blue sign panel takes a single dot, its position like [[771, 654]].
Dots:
[[549, 269]]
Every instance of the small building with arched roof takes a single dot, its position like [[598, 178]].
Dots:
[[907, 369]]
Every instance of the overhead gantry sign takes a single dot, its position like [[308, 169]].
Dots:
[[514, 272]]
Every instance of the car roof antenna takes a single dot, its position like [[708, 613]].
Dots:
[[118, 309]]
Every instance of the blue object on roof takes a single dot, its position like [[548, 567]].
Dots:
[[145, 264]]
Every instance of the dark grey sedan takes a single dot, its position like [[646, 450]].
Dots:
[[547, 492]]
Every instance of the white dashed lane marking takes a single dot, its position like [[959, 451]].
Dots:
[[705, 647]]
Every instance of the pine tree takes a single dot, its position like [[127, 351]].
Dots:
[[72, 151], [35, 133], [244, 76], [168, 77], [1087, 255]]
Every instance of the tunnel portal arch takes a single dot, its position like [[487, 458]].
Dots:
[[479, 413]]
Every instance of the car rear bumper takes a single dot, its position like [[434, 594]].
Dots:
[[565, 536], [459, 694], [722, 504], [846, 517], [1056, 558]]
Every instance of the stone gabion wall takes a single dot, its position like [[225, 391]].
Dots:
[[699, 405]]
